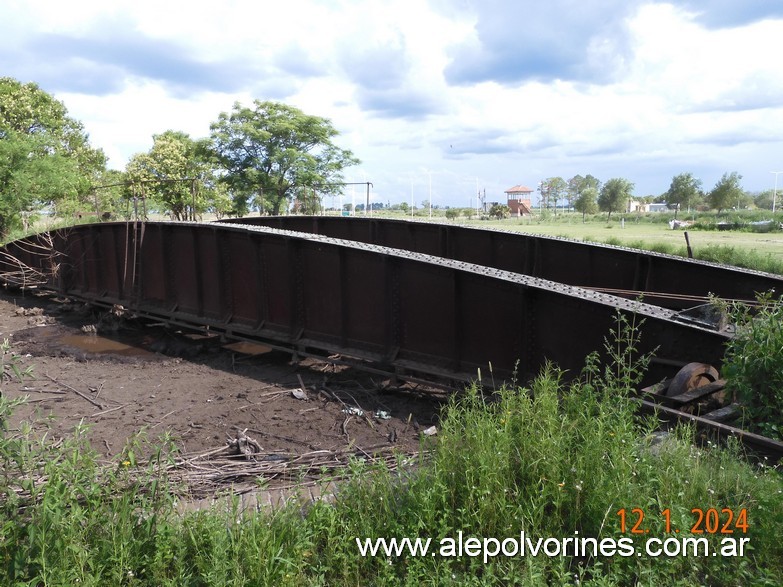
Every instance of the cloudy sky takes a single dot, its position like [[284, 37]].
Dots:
[[452, 94]]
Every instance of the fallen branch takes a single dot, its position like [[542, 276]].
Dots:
[[79, 393], [36, 390], [107, 411]]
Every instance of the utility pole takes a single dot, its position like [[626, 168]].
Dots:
[[775, 191], [478, 198], [429, 173]]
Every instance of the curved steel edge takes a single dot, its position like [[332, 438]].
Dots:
[[578, 263]]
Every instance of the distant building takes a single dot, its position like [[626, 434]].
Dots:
[[639, 207], [519, 200]]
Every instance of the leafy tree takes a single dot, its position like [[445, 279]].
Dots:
[[405, 207], [270, 149], [454, 213], [727, 192], [109, 194], [684, 191], [307, 201], [174, 173], [587, 203], [591, 182], [219, 201], [499, 211], [551, 190], [45, 156], [614, 195], [577, 185], [764, 199], [574, 189]]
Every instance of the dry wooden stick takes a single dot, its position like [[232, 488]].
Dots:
[[36, 390], [77, 392], [163, 417], [107, 411]]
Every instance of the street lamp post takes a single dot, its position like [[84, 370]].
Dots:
[[429, 174], [478, 197], [775, 191], [411, 196]]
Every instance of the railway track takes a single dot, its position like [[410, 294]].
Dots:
[[409, 299]]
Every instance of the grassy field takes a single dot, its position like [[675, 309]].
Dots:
[[649, 232], [762, 251], [634, 232]]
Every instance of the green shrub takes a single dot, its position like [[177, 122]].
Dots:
[[11, 364], [753, 364]]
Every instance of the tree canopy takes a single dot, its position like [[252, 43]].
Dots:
[[270, 149], [577, 185], [727, 192], [615, 195], [45, 156], [499, 211], [684, 191], [586, 202], [174, 173], [551, 190], [764, 199]]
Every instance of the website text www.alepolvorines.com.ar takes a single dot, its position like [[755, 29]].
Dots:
[[523, 545]]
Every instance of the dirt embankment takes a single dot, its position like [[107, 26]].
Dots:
[[119, 377]]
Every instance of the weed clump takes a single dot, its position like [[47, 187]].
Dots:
[[11, 364], [753, 365], [561, 460]]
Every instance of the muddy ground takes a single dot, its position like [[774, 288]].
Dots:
[[131, 377]]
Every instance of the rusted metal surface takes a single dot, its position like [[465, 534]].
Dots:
[[403, 310], [692, 376], [695, 395], [618, 270]]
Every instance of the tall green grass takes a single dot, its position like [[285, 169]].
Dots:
[[724, 254], [754, 364]]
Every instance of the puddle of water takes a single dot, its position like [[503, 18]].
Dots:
[[92, 343], [146, 344], [248, 348]]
